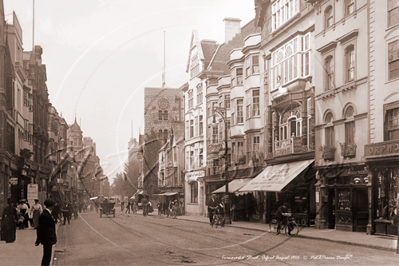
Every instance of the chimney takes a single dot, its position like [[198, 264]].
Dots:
[[231, 28]]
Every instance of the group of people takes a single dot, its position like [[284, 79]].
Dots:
[[28, 215], [171, 209], [216, 209], [43, 220], [131, 206]]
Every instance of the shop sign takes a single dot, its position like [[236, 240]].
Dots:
[[33, 193], [194, 175], [13, 180], [382, 148]]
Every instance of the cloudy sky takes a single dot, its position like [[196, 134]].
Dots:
[[100, 54]]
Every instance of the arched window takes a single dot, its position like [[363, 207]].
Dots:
[[160, 134], [350, 63], [328, 16], [165, 115], [329, 130], [349, 125], [329, 73], [160, 116], [165, 134]]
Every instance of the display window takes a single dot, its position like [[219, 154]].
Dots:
[[386, 194]]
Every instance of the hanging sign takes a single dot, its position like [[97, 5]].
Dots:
[[33, 193]]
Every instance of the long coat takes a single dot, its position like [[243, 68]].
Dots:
[[8, 224], [46, 232]]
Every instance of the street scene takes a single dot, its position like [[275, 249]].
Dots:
[[207, 132]]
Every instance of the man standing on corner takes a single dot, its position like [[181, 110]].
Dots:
[[46, 234]]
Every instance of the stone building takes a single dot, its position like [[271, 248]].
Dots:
[[163, 113]]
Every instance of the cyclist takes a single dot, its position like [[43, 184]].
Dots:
[[281, 216], [220, 214], [212, 204]]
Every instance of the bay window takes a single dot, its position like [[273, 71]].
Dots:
[[255, 103], [190, 99], [240, 111]]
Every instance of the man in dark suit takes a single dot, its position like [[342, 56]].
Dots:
[[46, 232], [212, 205]]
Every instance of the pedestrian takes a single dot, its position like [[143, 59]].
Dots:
[[164, 207], [23, 212], [8, 223], [35, 212], [75, 209], [212, 205], [170, 209], [122, 205], [135, 207], [220, 213], [66, 212], [56, 212], [46, 234], [128, 207], [144, 203], [159, 207]]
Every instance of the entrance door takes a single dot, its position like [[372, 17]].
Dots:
[[331, 209], [360, 209]]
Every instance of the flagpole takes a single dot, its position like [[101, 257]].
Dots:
[[33, 27]]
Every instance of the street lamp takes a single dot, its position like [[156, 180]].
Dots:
[[223, 113]]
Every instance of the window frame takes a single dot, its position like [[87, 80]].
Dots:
[[389, 9], [240, 111], [393, 60], [194, 192], [349, 49], [255, 103], [329, 67], [350, 126], [328, 17], [199, 93]]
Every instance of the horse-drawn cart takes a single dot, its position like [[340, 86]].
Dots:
[[107, 208]]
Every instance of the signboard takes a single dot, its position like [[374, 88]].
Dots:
[[192, 176], [382, 148], [33, 193], [13, 180]]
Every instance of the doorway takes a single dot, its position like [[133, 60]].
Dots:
[[360, 209], [331, 209]]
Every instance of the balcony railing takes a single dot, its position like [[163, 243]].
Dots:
[[348, 149], [328, 152], [290, 146]]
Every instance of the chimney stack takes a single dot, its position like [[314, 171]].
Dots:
[[231, 28]]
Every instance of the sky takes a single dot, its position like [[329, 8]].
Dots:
[[100, 54]]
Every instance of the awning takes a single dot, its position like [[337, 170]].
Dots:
[[234, 185], [138, 192], [93, 198], [168, 194], [276, 177]]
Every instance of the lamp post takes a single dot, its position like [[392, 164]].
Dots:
[[223, 113]]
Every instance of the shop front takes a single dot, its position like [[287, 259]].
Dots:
[[291, 183], [382, 160], [195, 193]]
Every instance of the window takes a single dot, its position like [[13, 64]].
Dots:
[[26, 98], [187, 129], [165, 134], [201, 126], [282, 11], [194, 66], [328, 16], [201, 157], [191, 128], [233, 151], [196, 126], [232, 118], [255, 64], [329, 73], [199, 93], [290, 61], [393, 59], [194, 192], [165, 115], [192, 158], [239, 75], [329, 130], [349, 7], [393, 12], [350, 63], [215, 134], [227, 101], [160, 115], [240, 113], [215, 167], [248, 149], [240, 150], [393, 124], [255, 144], [228, 128], [255, 103], [248, 109], [190, 99], [349, 126]]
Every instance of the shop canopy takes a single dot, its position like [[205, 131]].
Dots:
[[276, 177], [234, 185], [168, 194]]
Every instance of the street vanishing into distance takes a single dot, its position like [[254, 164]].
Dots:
[[132, 239]]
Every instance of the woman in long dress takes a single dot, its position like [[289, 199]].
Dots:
[[8, 224], [36, 210]]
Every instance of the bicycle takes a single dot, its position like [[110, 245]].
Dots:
[[275, 229]]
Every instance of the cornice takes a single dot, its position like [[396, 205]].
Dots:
[[350, 35], [328, 47]]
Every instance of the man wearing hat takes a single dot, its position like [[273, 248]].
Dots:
[[46, 234]]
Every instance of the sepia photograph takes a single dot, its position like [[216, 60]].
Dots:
[[199, 132]]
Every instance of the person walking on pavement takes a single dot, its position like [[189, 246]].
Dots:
[[8, 223], [212, 205], [35, 212], [122, 205], [66, 212], [46, 234], [23, 211], [56, 212], [159, 207], [128, 207], [144, 203]]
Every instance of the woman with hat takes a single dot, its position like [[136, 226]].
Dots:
[[35, 212], [22, 210], [8, 224]]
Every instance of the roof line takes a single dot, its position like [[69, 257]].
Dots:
[[214, 55]]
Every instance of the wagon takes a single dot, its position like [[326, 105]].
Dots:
[[107, 208]]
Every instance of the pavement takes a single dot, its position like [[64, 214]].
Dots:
[[32, 255]]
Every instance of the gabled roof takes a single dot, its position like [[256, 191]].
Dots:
[[205, 49], [222, 55]]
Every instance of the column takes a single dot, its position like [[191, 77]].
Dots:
[[311, 123], [370, 229], [269, 130], [304, 116]]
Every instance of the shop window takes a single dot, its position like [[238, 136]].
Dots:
[[387, 196], [194, 192], [350, 63], [344, 200], [328, 16], [393, 59], [393, 12]]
